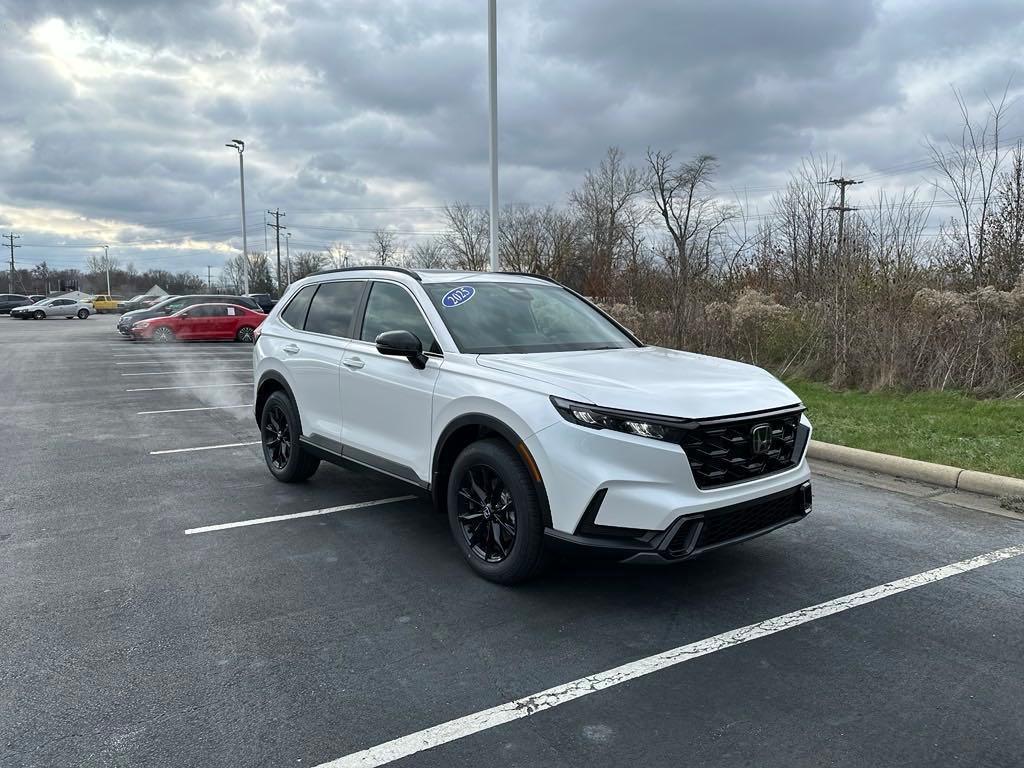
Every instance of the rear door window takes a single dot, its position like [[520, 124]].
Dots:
[[333, 307]]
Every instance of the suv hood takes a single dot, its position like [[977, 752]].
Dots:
[[652, 380]]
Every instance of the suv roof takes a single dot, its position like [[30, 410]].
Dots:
[[445, 275]]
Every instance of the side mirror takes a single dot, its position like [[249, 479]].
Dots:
[[402, 344]]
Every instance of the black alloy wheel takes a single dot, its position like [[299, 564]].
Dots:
[[286, 459], [277, 437], [494, 512], [487, 513], [245, 335]]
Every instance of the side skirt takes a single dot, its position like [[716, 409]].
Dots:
[[343, 455]]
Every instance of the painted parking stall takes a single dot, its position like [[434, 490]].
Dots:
[[331, 623]]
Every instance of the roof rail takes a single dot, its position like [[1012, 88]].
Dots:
[[403, 270], [530, 274]]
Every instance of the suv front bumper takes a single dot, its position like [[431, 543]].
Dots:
[[610, 479], [693, 534]]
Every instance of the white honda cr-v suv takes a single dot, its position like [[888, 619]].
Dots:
[[533, 418]]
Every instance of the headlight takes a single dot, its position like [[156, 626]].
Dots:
[[639, 424], [141, 324]]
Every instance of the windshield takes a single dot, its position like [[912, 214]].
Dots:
[[499, 317]]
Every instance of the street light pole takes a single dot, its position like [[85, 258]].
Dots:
[[240, 146], [492, 90], [106, 264]]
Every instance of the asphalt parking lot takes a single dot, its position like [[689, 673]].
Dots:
[[139, 628]]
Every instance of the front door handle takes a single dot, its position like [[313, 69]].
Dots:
[[354, 363], [291, 349]]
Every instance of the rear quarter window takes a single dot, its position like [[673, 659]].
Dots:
[[295, 313]]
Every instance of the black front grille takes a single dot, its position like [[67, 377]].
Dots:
[[728, 451], [750, 519]]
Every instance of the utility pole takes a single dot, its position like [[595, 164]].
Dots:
[[10, 238], [288, 256], [841, 273], [209, 279], [277, 227]]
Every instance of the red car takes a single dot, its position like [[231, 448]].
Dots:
[[202, 322]]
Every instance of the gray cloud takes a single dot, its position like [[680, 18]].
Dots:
[[122, 113]]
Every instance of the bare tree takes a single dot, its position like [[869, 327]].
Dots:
[[467, 238], [603, 204], [429, 254], [521, 238], [385, 247], [682, 197], [970, 170], [1006, 230], [339, 255], [307, 262]]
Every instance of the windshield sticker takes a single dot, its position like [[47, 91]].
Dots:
[[457, 296]]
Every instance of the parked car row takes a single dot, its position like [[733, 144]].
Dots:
[[9, 301], [206, 317]]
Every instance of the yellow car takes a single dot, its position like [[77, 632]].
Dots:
[[104, 304]]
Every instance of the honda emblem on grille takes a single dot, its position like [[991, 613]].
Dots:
[[760, 439]]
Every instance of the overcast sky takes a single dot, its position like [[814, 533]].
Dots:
[[362, 113]]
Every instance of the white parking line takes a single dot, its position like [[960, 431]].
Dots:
[[191, 386], [185, 373], [178, 361], [189, 410], [562, 694], [172, 356], [295, 516], [202, 448]]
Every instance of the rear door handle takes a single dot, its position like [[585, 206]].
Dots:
[[353, 362], [291, 349]]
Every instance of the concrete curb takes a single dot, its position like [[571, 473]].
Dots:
[[923, 471]]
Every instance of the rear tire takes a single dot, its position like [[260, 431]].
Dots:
[[494, 513], [245, 334], [286, 459]]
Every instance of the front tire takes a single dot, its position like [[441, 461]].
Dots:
[[286, 459], [39, 315], [163, 335], [494, 513], [83, 313]]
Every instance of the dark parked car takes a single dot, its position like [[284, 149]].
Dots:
[[36, 297], [176, 303], [143, 301], [9, 301], [264, 300]]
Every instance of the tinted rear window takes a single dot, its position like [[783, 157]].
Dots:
[[332, 308]]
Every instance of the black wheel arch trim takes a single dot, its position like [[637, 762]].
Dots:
[[439, 490], [277, 378]]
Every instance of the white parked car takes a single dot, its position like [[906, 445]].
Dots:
[[56, 307], [534, 419]]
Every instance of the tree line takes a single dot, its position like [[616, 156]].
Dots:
[[898, 303]]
